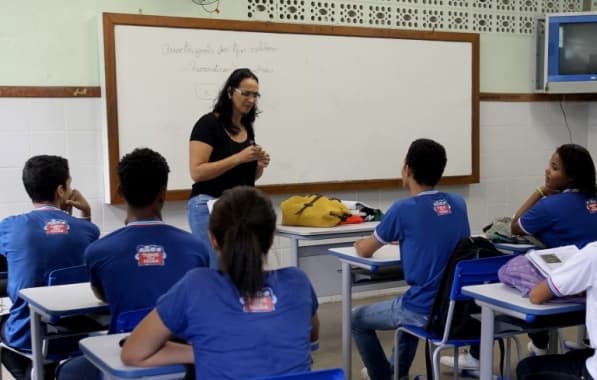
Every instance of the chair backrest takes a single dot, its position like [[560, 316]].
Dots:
[[324, 374], [475, 272], [128, 320], [68, 275]]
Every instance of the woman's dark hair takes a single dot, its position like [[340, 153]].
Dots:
[[223, 107], [579, 168], [427, 159], [42, 175], [243, 223]]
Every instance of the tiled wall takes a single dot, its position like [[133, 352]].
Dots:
[[516, 141]]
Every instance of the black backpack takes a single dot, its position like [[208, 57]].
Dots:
[[463, 325]]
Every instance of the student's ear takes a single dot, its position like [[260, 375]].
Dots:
[[229, 90], [162, 196], [60, 192]]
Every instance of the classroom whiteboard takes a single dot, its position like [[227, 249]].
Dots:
[[339, 106]]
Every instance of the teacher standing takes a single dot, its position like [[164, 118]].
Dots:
[[222, 151]]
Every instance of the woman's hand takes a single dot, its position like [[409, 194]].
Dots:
[[263, 160], [250, 153]]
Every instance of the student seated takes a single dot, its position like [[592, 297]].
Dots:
[[242, 322], [37, 242], [577, 275], [427, 226], [134, 265], [561, 212]]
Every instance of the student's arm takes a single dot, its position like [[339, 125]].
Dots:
[[78, 201], [366, 247], [203, 170], [539, 193], [540, 293], [149, 345], [315, 328]]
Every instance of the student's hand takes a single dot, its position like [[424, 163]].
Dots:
[[250, 153], [78, 201], [264, 160]]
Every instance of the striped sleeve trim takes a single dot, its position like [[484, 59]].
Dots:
[[553, 288], [522, 227], [379, 239]]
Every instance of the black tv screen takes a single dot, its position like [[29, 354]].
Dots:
[[578, 49]]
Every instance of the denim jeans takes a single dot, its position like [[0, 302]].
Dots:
[[569, 366], [77, 368], [198, 215], [387, 315]]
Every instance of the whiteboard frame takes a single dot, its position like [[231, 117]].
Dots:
[[111, 20]]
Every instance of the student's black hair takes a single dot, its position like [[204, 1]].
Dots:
[[579, 168], [243, 223], [42, 175], [427, 160], [223, 105], [142, 174]]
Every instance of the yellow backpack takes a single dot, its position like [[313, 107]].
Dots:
[[313, 210]]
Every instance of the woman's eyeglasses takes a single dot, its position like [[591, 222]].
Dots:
[[248, 94]]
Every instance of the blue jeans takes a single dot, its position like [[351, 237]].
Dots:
[[387, 315], [77, 368], [569, 366], [198, 215]]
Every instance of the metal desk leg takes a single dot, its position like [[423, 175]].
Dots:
[[487, 328], [552, 346], [346, 319], [294, 252], [36, 343]]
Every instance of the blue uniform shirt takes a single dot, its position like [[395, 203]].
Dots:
[[34, 244], [427, 227], [236, 339], [136, 264], [562, 219]]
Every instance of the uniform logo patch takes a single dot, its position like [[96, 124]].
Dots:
[[263, 302], [592, 206], [150, 255], [56, 227], [442, 207]]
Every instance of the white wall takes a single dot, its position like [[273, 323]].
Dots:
[[517, 139]]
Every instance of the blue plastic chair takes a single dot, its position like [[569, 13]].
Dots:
[[128, 320], [68, 275], [468, 272], [324, 374]]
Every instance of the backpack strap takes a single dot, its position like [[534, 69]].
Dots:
[[308, 204]]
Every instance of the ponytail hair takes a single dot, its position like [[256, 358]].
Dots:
[[243, 223]]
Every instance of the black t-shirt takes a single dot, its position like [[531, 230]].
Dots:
[[210, 130]]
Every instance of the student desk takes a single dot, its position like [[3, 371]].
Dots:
[[386, 256], [55, 302], [500, 299], [295, 234], [104, 352]]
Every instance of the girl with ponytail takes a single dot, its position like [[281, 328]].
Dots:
[[241, 321]]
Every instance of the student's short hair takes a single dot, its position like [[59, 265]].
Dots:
[[143, 174], [427, 160], [579, 167], [243, 222], [42, 175]]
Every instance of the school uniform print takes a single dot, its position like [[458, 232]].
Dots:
[[34, 244], [136, 264], [238, 338], [427, 226], [561, 219]]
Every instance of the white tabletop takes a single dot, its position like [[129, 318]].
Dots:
[[305, 232], [104, 352], [62, 300], [505, 299], [386, 256]]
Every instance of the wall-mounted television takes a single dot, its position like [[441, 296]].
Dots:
[[567, 53]]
